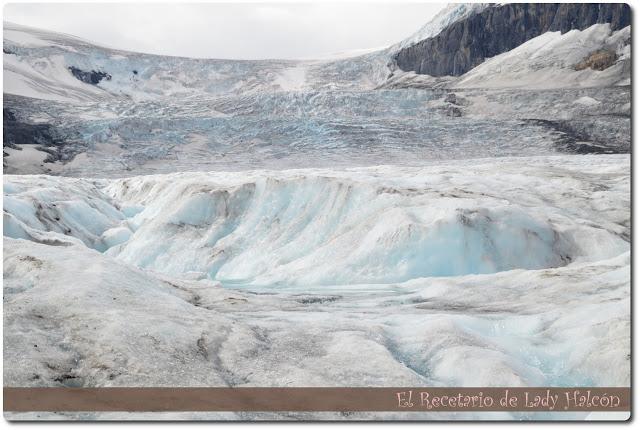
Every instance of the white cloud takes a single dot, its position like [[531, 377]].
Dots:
[[230, 30]]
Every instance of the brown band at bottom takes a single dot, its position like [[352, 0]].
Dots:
[[246, 399]]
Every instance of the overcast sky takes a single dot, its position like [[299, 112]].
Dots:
[[231, 30]]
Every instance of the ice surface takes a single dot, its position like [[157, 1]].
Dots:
[[287, 278], [301, 215], [161, 114]]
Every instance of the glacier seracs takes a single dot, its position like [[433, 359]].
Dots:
[[277, 278], [438, 226]]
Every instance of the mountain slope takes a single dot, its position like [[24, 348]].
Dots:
[[466, 43], [556, 60], [270, 223], [75, 108], [48, 65]]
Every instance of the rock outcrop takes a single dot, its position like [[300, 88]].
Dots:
[[466, 43], [16, 132], [598, 60], [58, 141], [93, 77]]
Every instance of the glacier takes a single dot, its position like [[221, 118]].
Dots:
[[278, 278], [408, 247], [210, 222], [158, 114], [321, 227]]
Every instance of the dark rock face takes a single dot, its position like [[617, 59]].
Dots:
[[91, 77], [465, 44], [57, 137], [16, 132]]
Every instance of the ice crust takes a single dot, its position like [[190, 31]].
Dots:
[[286, 278], [468, 254], [317, 227]]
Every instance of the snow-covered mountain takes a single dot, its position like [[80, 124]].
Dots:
[[41, 64], [93, 110], [556, 60], [450, 14], [489, 30], [208, 222]]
